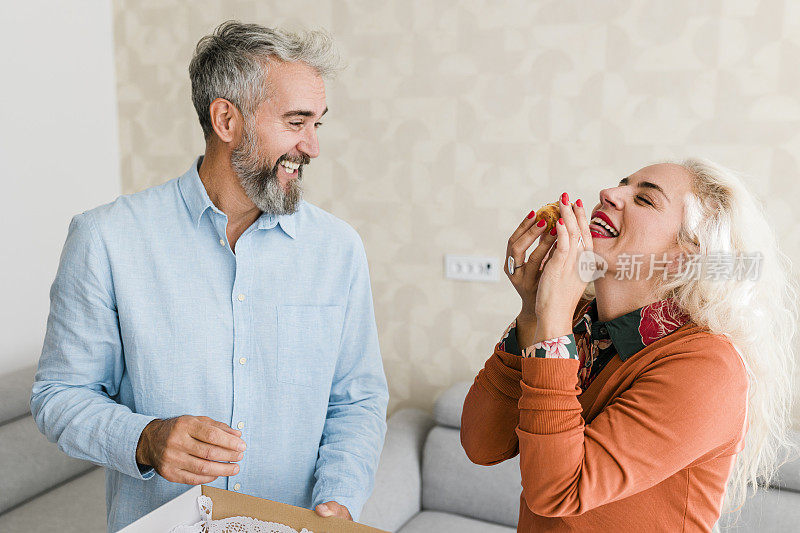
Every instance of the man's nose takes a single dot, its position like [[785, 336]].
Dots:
[[309, 145]]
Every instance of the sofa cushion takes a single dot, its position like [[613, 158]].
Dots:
[[15, 394], [453, 484], [788, 476], [447, 409], [30, 463], [397, 495], [432, 521], [78, 506], [767, 510]]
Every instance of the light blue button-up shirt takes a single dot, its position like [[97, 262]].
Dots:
[[153, 316]]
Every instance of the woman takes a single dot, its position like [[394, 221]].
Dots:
[[634, 410]]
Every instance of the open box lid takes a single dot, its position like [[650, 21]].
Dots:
[[226, 504]]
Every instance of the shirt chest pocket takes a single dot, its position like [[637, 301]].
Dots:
[[308, 343]]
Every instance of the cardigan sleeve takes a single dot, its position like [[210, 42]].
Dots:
[[490, 415], [682, 408]]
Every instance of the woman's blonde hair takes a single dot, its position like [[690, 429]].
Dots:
[[754, 307]]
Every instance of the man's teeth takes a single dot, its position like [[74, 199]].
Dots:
[[289, 166], [600, 222]]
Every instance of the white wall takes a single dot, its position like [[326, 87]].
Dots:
[[59, 151]]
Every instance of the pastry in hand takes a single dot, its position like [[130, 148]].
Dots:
[[549, 213]]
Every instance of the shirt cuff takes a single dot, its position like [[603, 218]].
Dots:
[[354, 504], [509, 343], [123, 440], [558, 348]]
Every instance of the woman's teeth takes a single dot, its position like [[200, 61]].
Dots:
[[602, 223], [290, 167]]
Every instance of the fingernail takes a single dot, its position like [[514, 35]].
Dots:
[[241, 456], [235, 469], [579, 203], [541, 223], [530, 215], [323, 509], [553, 232], [565, 198], [561, 221], [242, 447]]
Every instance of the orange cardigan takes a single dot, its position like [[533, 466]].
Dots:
[[648, 446]]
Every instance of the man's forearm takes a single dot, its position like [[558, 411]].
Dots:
[[349, 452], [89, 425]]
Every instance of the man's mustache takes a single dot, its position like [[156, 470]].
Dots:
[[302, 159]]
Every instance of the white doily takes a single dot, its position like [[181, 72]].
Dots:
[[234, 524]]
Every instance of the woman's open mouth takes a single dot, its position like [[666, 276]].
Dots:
[[601, 226]]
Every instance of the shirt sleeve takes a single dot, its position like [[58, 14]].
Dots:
[[682, 409], [81, 365], [509, 343], [355, 424], [559, 348]]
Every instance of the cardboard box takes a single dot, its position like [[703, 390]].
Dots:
[[183, 509]]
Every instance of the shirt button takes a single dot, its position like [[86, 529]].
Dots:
[[240, 297], [242, 360], [240, 425], [237, 487], [222, 242]]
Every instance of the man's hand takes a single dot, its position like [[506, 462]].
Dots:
[[333, 509], [190, 449]]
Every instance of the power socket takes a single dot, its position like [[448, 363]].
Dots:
[[471, 268]]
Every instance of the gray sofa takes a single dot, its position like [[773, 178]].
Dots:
[[424, 483], [42, 489]]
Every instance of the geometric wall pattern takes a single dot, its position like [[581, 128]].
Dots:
[[454, 119]]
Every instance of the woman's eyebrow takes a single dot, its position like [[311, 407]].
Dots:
[[646, 185]]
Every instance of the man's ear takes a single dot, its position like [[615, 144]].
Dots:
[[225, 119]]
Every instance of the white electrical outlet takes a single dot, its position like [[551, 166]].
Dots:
[[471, 267]]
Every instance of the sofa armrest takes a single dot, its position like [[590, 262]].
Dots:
[[397, 495]]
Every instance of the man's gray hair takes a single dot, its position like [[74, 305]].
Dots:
[[232, 63]]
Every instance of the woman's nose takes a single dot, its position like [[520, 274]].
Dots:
[[611, 197]]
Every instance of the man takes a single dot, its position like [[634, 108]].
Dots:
[[217, 329]]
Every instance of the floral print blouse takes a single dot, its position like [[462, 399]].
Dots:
[[595, 343]]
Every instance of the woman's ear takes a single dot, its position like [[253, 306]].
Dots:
[[676, 261]]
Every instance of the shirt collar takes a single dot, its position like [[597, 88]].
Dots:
[[194, 193], [288, 223], [197, 201], [633, 331]]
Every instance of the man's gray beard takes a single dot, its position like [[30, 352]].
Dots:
[[260, 182]]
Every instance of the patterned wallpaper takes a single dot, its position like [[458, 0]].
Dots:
[[454, 119]]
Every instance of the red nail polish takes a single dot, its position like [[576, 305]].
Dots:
[[553, 232], [565, 198], [541, 223], [561, 221], [530, 215], [579, 203]]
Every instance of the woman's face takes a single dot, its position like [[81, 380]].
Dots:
[[644, 212]]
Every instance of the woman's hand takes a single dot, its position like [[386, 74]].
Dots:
[[560, 287], [526, 275]]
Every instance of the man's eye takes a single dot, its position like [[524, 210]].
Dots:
[[645, 200], [318, 124], [296, 123]]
